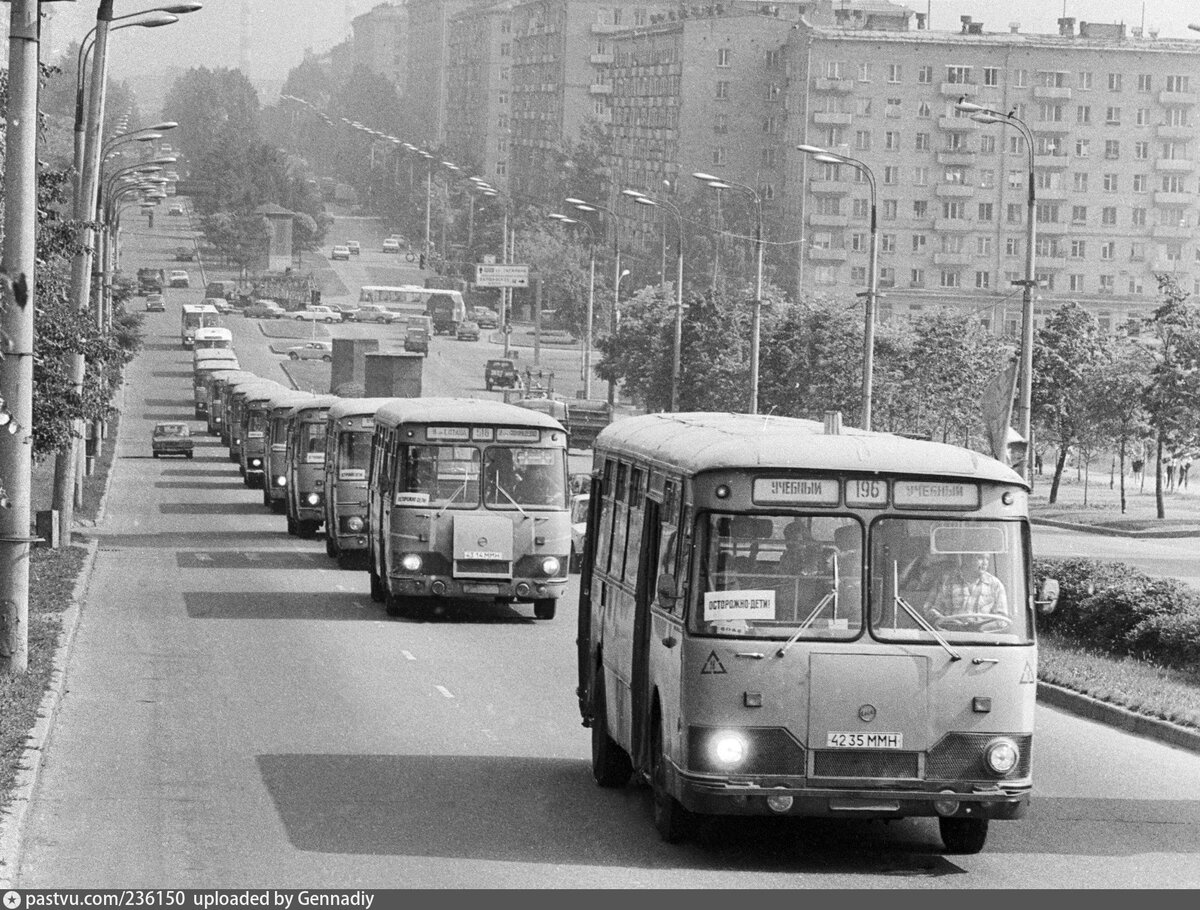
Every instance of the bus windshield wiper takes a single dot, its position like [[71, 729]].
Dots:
[[513, 501], [454, 496], [832, 595], [916, 616]]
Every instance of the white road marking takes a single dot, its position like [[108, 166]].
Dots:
[[444, 691], [408, 655], [252, 557], [203, 557]]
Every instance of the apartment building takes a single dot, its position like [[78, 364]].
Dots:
[[428, 37], [380, 42], [1113, 116], [478, 90]]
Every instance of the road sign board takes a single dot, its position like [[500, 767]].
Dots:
[[502, 276]]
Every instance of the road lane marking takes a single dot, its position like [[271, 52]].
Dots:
[[408, 655], [444, 691]]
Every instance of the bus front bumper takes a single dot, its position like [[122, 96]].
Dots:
[[509, 591]]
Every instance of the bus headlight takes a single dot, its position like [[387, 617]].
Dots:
[[313, 499], [256, 462], [1002, 755], [281, 481], [354, 524], [410, 562], [728, 748], [550, 565]]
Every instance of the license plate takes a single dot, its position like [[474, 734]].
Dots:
[[864, 740], [480, 588]]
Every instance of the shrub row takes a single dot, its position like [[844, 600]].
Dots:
[[1119, 609]]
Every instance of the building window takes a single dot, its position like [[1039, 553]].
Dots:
[[954, 243], [986, 211], [1139, 183], [833, 69], [892, 109], [1108, 250], [983, 245], [1177, 116], [1084, 82], [925, 75], [768, 157], [770, 126], [858, 242], [891, 141], [862, 208], [1144, 82], [887, 243], [893, 73], [1108, 214], [1141, 116], [1047, 212], [920, 176], [890, 209], [983, 280], [925, 109], [1078, 249], [1112, 149], [1083, 148], [1012, 246], [862, 107], [918, 243], [1138, 218], [864, 72], [1141, 151], [1112, 116], [858, 274], [1015, 213], [917, 278], [722, 91], [1080, 182], [723, 56], [987, 144], [987, 178], [953, 210], [721, 123], [1107, 283], [1076, 283], [1114, 82], [920, 208], [950, 279], [1020, 78], [1173, 183], [1079, 214], [718, 155], [1050, 112], [1083, 114], [1110, 183], [1137, 252], [991, 75]]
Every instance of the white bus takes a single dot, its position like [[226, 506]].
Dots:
[[445, 306], [196, 316], [212, 337]]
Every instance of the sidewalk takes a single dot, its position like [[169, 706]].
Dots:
[[1102, 512]]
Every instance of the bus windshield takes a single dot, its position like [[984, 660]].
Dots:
[[779, 576], [514, 477], [354, 452], [964, 578], [312, 441]]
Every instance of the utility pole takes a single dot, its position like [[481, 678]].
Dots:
[[16, 334]]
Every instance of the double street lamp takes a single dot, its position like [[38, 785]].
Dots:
[[872, 293], [591, 301], [641, 198], [720, 183], [597, 208], [982, 114]]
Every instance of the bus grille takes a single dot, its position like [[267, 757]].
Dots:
[[959, 756], [849, 763], [773, 750], [482, 568]]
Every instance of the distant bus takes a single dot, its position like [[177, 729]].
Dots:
[[196, 316], [212, 337], [445, 306]]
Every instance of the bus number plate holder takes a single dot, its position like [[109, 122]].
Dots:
[[477, 588]]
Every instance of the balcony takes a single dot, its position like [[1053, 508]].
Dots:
[[962, 157], [598, 28], [1051, 93], [1055, 162], [1050, 261], [1057, 127], [1171, 232], [601, 59], [599, 88], [957, 124], [954, 190], [818, 219], [959, 89], [820, 187], [1052, 227], [1175, 165], [1166, 131], [1052, 193], [827, 254], [1177, 98], [952, 258], [1164, 197], [832, 118], [842, 86], [1166, 265], [952, 224]]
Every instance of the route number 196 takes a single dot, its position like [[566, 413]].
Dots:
[[866, 492]]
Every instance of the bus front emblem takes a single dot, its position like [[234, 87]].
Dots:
[[482, 541], [866, 713]]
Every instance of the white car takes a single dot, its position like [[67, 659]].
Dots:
[[391, 245], [340, 252], [312, 350], [318, 314], [179, 279]]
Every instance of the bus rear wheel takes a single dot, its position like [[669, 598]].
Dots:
[[545, 608], [673, 822], [963, 836], [376, 583], [331, 549], [610, 763]]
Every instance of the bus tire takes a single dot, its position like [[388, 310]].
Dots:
[[573, 561], [331, 549], [307, 529], [394, 604], [544, 608], [963, 836], [376, 582], [673, 822], [291, 526], [610, 763]]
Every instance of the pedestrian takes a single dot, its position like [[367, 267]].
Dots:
[[1185, 463], [1169, 464], [1137, 465]]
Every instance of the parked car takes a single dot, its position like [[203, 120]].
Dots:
[[220, 304], [171, 438], [176, 209], [155, 304], [318, 314], [179, 279], [391, 245], [487, 318], [348, 310], [501, 374], [340, 252], [467, 331], [264, 309], [312, 350], [373, 312], [184, 254], [416, 339], [354, 247]]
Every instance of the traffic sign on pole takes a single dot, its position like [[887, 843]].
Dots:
[[502, 276]]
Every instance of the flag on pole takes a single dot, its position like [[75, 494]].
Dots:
[[997, 409]]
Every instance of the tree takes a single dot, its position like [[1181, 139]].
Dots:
[[215, 109], [1069, 355], [1115, 399]]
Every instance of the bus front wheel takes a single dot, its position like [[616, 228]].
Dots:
[[963, 836], [610, 763], [376, 583], [545, 608], [671, 819]]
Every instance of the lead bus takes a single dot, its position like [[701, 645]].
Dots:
[[467, 499], [770, 623], [195, 316]]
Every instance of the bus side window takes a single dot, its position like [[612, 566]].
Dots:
[[668, 571]]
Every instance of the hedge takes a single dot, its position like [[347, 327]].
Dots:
[[1119, 609]]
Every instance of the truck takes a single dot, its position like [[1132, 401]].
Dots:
[[447, 310], [150, 281], [582, 418]]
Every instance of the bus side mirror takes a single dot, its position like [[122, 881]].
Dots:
[[667, 589], [1047, 598]]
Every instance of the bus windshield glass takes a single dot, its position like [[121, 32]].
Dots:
[[779, 576], [354, 452], [440, 475], [518, 476], [962, 578], [256, 421], [312, 441]]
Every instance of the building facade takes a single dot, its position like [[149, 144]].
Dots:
[[478, 91], [427, 57], [380, 42]]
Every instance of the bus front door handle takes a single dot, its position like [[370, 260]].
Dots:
[[669, 642]]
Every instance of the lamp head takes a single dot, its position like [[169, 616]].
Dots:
[[642, 200], [829, 159], [968, 107], [574, 201], [707, 178], [633, 194], [719, 185], [812, 150], [182, 8], [586, 208], [156, 21]]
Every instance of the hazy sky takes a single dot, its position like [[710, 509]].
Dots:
[[282, 29]]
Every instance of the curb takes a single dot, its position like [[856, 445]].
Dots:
[[1112, 532], [1116, 716], [13, 819]]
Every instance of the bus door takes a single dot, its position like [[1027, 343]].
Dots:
[[640, 666], [583, 638]]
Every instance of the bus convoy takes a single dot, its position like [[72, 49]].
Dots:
[[776, 616]]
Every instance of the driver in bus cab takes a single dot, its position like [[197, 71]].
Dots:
[[968, 588]]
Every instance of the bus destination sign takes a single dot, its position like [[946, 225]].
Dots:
[[935, 494], [809, 491]]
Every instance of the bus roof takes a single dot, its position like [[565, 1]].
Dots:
[[318, 402], [200, 308], [213, 331], [357, 407], [695, 442], [462, 410], [286, 397]]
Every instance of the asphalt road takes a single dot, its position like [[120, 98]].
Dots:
[[239, 713]]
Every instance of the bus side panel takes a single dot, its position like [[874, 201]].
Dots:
[[587, 636]]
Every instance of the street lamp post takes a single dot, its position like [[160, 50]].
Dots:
[[587, 329], [595, 207], [872, 293], [720, 183], [677, 341], [1025, 400], [505, 292]]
